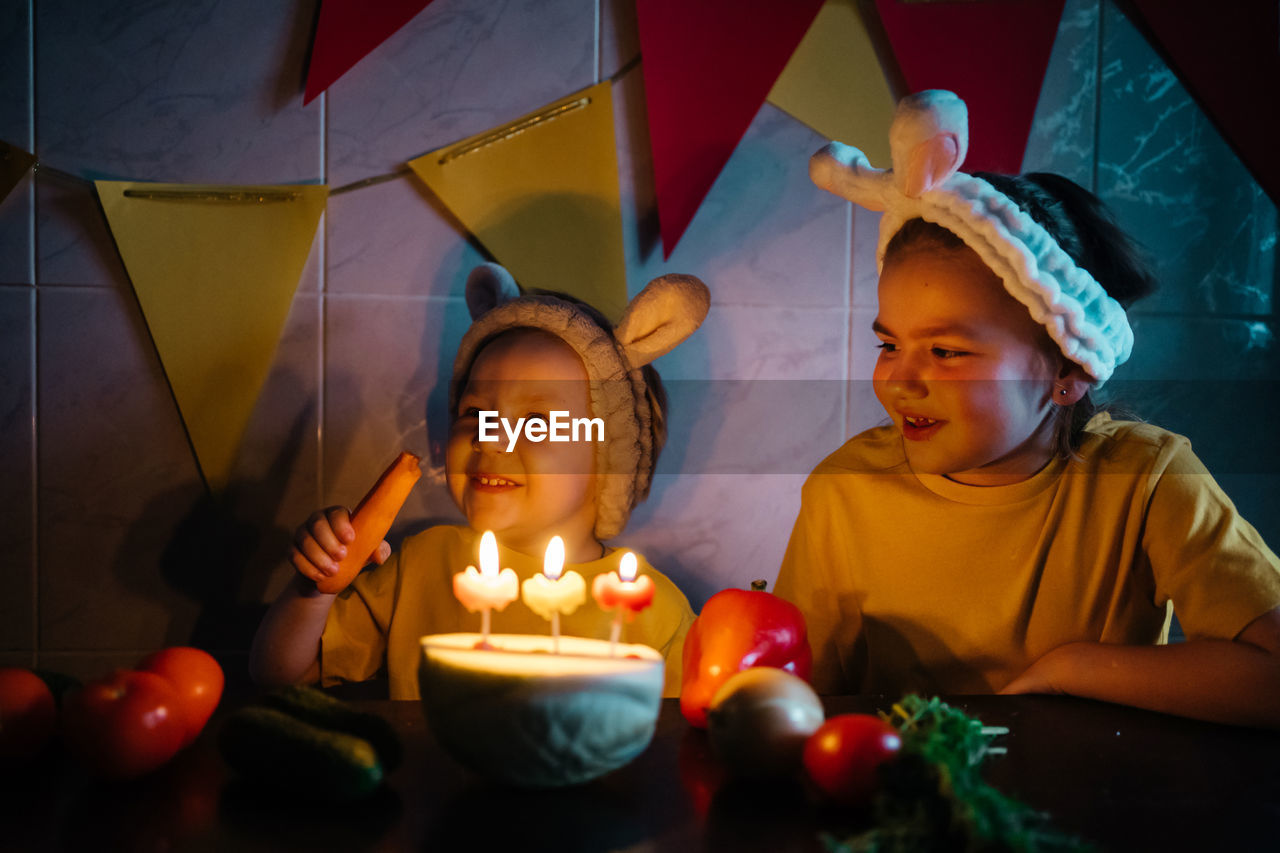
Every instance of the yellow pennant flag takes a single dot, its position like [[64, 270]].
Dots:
[[14, 163], [541, 194], [215, 269], [835, 85]]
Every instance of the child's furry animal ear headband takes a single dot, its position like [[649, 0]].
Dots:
[[929, 138], [663, 314]]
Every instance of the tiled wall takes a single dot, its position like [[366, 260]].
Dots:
[[109, 545]]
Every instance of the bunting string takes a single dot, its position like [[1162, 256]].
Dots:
[[373, 180]]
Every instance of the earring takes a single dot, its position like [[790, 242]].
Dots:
[[1062, 392]]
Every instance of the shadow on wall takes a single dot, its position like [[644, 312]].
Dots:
[[219, 549]]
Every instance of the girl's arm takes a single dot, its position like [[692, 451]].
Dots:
[[1225, 681], [286, 648]]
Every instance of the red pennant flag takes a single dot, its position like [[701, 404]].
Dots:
[[992, 53], [1237, 94], [708, 66], [347, 31]]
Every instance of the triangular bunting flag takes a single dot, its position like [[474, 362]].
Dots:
[[541, 194], [347, 31], [215, 270], [707, 69], [14, 163], [835, 85], [1238, 95], [992, 53]]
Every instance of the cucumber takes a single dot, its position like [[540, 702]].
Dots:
[[274, 748], [320, 709]]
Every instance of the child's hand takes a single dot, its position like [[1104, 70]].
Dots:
[[1049, 674], [321, 543]]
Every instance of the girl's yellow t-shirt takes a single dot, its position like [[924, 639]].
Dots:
[[916, 582], [387, 608]]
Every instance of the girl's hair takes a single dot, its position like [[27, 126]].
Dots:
[[653, 386], [1085, 229]]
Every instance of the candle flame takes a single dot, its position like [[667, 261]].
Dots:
[[627, 568], [489, 556], [553, 561]]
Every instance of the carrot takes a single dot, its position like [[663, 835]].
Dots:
[[372, 519]]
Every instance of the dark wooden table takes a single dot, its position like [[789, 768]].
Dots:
[[1127, 780]]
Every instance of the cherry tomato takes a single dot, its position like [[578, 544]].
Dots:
[[124, 725], [28, 715], [844, 755], [196, 676]]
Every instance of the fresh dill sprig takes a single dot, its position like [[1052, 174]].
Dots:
[[933, 797]]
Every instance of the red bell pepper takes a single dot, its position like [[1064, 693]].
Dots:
[[738, 629]]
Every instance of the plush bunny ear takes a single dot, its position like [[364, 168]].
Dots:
[[845, 171], [929, 138], [662, 315], [488, 286]]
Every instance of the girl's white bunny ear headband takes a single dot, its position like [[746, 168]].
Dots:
[[663, 314], [929, 138]]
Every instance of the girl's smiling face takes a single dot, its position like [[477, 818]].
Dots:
[[538, 489], [964, 371]]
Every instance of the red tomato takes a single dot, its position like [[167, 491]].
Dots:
[[124, 725], [28, 715], [197, 678], [843, 756]]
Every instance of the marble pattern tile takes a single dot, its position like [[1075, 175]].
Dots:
[[17, 263], [708, 532], [1196, 376], [396, 239], [386, 374], [200, 92], [117, 478], [276, 479], [25, 659], [456, 69], [746, 427], [87, 666], [1063, 130], [764, 235], [74, 245], [16, 209], [1177, 187], [17, 555], [15, 72]]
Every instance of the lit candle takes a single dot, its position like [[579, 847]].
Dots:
[[488, 588], [551, 593], [623, 593]]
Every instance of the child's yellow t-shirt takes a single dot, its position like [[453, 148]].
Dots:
[[916, 582], [387, 608]]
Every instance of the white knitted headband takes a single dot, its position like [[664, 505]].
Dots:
[[663, 314], [928, 139]]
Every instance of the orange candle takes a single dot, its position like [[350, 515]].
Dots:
[[623, 593]]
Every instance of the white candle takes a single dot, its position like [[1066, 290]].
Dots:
[[488, 588], [551, 593]]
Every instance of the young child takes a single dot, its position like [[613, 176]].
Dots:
[[524, 356], [1001, 534]]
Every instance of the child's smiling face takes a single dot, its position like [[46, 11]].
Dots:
[[964, 371], [539, 489]]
